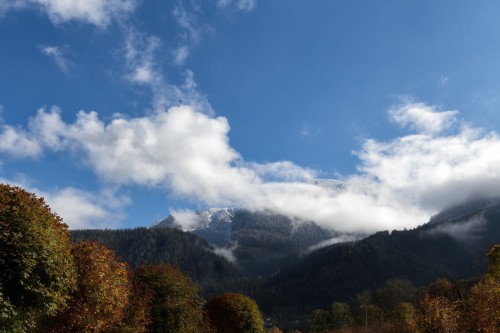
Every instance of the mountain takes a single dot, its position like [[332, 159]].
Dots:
[[276, 267], [452, 245], [192, 254], [213, 224], [260, 242]]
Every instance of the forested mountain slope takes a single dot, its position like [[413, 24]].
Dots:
[[189, 252], [262, 242], [453, 245]]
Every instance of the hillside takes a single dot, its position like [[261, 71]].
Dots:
[[190, 253], [260, 243], [453, 245], [272, 267]]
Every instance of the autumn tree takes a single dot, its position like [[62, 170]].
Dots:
[[235, 313], [137, 316], [101, 297], [442, 287], [494, 262], [483, 307], [407, 317], [36, 266], [438, 314], [175, 303], [482, 310]]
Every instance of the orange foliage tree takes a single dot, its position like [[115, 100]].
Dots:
[[101, 297], [438, 314], [483, 305]]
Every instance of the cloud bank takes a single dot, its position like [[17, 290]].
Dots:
[[400, 183]]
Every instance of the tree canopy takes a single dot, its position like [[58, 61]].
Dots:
[[175, 305], [36, 266], [102, 294], [235, 313]]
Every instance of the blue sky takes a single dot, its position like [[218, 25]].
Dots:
[[398, 99]]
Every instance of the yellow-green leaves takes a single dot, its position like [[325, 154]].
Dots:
[[36, 267]]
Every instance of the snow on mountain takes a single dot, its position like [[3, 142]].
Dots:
[[215, 224], [215, 216], [208, 218], [219, 217]]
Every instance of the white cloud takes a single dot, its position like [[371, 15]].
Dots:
[[422, 118], [243, 5], [434, 172], [246, 5], [84, 210], [17, 143], [335, 240], [80, 209], [283, 171], [466, 231], [144, 69], [8, 5], [58, 55], [187, 21], [97, 12], [187, 219], [191, 31], [400, 183], [140, 56], [309, 131], [227, 252], [181, 54]]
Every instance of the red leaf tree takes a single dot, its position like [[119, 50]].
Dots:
[[98, 304]]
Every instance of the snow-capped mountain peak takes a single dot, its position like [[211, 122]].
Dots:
[[215, 216]]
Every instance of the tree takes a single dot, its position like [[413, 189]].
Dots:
[[36, 266], [394, 292], [482, 307], [482, 310], [408, 317], [235, 313], [137, 314], [444, 288], [102, 294], [494, 262], [318, 321], [438, 314], [341, 316], [175, 303]]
